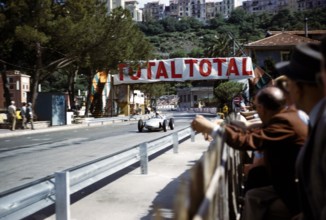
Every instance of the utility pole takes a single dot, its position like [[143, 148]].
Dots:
[[306, 27]]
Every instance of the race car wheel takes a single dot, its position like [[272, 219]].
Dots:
[[165, 125], [171, 123], [140, 125]]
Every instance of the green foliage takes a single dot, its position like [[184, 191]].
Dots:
[[226, 91], [178, 54], [244, 27]]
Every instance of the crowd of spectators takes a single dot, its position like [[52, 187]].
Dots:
[[287, 177]]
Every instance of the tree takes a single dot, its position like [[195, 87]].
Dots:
[[226, 91], [121, 42], [220, 45], [27, 23], [169, 24]]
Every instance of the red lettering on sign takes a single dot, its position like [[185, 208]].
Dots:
[[232, 68], [191, 66], [173, 73], [161, 71], [219, 62], [149, 69], [244, 68], [201, 67], [121, 66], [138, 74]]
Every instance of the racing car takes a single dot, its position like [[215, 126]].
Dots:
[[156, 123]]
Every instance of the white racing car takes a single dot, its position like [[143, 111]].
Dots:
[[157, 123]]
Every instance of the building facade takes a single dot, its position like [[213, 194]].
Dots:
[[193, 97], [153, 11], [18, 85], [273, 6], [136, 13]]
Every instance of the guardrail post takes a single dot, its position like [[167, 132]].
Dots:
[[143, 158], [192, 135], [175, 143], [62, 196]]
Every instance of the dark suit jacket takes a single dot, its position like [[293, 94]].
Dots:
[[280, 140], [311, 166]]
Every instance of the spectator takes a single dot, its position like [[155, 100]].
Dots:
[[12, 115], [29, 115], [303, 72], [23, 115], [280, 138], [225, 110], [282, 83]]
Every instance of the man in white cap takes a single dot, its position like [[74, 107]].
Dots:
[[12, 115]]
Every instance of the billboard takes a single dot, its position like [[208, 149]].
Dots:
[[186, 69]]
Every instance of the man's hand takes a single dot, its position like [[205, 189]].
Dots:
[[203, 125]]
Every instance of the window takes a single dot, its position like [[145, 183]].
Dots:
[[195, 98], [285, 55]]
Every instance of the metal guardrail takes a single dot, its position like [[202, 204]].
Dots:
[[23, 201]]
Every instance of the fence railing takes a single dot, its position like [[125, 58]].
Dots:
[[215, 186], [23, 201]]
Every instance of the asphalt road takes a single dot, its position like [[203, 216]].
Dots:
[[24, 159]]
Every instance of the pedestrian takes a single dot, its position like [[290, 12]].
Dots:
[[225, 110], [29, 115], [280, 138], [12, 115], [303, 72], [23, 115]]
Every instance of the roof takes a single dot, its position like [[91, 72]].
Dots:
[[282, 40], [310, 32]]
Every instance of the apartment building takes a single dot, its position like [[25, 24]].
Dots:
[[202, 10], [18, 85], [136, 13], [153, 11], [224, 8], [112, 4], [273, 6], [131, 5], [192, 8]]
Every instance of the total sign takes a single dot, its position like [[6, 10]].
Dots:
[[183, 69]]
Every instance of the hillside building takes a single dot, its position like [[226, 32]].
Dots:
[[18, 85], [273, 6]]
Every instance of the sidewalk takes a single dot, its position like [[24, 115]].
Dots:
[[88, 122], [135, 196]]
